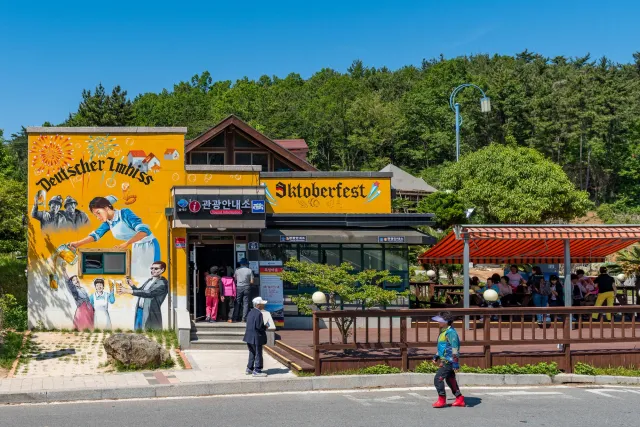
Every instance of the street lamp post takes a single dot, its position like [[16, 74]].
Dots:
[[485, 107]]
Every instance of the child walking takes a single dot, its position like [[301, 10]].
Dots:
[[447, 359]]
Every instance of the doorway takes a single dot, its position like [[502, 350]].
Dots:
[[206, 256]]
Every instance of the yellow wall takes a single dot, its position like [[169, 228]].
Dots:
[[85, 166], [328, 195]]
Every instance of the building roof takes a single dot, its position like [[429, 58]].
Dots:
[[170, 151], [149, 158], [138, 153], [520, 244], [298, 147], [404, 181]]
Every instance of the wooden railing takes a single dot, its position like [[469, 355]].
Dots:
[[513, 328]]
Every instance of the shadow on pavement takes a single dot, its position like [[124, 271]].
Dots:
[[472, 401]]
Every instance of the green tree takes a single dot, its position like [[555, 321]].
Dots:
[[100, 109], [514, 185], [364, 289], [447, 207]]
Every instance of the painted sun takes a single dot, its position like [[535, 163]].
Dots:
[[100, 147], [49, 153]]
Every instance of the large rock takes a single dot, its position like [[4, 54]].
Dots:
[[135, 349]]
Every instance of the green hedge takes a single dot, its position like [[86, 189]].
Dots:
[[585, 369], [551, 369]]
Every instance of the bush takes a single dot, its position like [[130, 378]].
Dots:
[[12, 278], [551, 369], [586, 369], [9, 349], [371, 370], [14, 315]]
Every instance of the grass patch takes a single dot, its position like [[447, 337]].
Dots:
[[371, 370], [551, 369], [304, 373], [586, 369], [10, 349]]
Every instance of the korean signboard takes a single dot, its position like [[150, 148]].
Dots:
[[202, 206]]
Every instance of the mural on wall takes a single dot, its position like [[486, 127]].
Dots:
[[92, 200]]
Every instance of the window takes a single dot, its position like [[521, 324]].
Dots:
[[279, 166], [330, 254], [217, 142], [395, 259], [104, 263], [353, 254], [243, 142], [373, 259], [255, 159], [309, 253], [202, 158]]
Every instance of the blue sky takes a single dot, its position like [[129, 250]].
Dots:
[[51, 51]]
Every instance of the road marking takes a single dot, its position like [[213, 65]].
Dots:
[[612, 390], [522, 393], [397, 400]]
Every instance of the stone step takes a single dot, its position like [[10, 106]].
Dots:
[[223, 334], [217, 344], [200, 326]]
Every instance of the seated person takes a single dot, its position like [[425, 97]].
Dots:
[[505, 291], [515, 278]]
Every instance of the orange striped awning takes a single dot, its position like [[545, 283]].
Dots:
[[535, 244]]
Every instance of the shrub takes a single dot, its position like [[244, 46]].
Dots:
[[551, 369], [586, 369], [371, 370], [14, 315]]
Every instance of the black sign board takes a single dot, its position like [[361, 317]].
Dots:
[[390, 239], [228, 207]]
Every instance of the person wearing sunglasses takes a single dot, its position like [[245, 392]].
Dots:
[[150, 295]]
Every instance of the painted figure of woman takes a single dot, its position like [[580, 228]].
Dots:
[[100, 301], [83, 318], [128, 227]]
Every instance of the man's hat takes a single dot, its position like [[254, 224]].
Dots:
[[258, 301], [244, 261], [55, 199], [68, 200]]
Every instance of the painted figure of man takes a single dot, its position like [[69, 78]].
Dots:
[[75, 217], [53, 218], [150, 295]]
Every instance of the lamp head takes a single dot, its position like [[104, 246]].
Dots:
[[485, 104], [319, 298]]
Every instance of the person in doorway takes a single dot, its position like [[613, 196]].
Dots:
[[150, 295], [606, 291], [83, 317], [229, 293], [256, 336], [244, 284], [447, 358], [540, 290], [212, 294], [100, 301]]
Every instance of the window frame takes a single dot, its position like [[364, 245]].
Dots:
[[81, 260]]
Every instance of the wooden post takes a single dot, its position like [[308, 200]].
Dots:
[[568, 366], [316, 343], [403, 339], [486, 336]]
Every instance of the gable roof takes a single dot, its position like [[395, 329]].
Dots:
[[256, 136], [150, 157], [404, 181], [298, 147], [170, 151], [137, 153]]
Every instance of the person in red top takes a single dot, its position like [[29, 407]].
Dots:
[[213, 294]]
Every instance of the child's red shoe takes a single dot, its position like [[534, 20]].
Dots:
[[441, 402], [459, 402]]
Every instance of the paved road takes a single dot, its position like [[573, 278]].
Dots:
[[495, 407]]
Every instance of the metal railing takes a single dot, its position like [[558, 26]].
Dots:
[[519, 329]]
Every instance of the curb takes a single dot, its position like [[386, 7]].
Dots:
[[269, 385]]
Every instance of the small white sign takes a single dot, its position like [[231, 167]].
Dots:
[[241, 247], [255, 267]]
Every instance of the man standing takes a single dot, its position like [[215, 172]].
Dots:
[[244, 281], [53, 218], [606, 291], [150, 295], [75, 218], [256, 336], [447, 358]]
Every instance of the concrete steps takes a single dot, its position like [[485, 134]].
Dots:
[[217, 336]]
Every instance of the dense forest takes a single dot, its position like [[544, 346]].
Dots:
[[581, 113]]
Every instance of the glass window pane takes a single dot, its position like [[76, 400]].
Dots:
[[243, 158], [198, 158], [114, 263], [262, 160], [242, 142], [309, 255], [372, 259], [279, 166], [216, 158], [217, 142], [396, 260], [354, 256], [329, 255], [352, 245]]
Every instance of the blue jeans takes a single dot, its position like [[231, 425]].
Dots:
[[137, 324], [541, 301]]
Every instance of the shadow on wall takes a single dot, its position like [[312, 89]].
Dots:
[[58, 303]]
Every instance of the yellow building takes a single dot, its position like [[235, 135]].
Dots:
[[124, 222]]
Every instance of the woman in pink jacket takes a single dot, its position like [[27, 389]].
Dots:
[[229, 293]]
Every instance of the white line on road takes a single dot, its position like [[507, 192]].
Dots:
[[398, 400], [612, 390]]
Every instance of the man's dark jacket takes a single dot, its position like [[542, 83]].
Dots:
[[256, 330]]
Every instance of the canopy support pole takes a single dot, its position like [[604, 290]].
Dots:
[[465, 278], [568, 297]]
